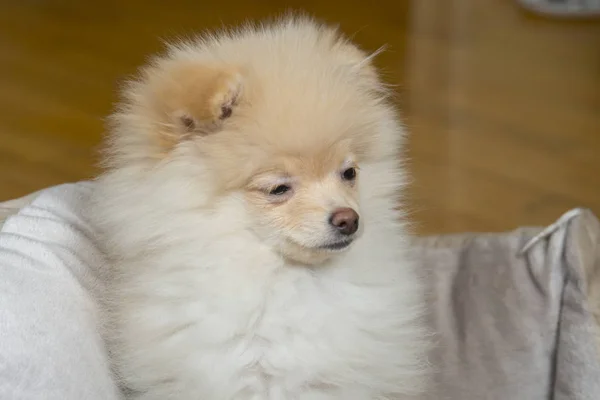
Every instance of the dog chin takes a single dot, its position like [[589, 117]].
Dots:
[[337, 247], [314, 255]]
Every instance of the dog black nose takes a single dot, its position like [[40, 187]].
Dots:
[[344, 220]]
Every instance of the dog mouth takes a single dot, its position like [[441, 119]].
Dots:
[[336, 246]]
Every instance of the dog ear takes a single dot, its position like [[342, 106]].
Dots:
[[355, 60], [192, 98]]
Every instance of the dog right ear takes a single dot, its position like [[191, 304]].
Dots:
[[191, 98]]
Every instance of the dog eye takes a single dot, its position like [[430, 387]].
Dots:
[[279, 190], [349, 174]]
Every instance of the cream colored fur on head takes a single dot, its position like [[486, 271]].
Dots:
[[248, 213]]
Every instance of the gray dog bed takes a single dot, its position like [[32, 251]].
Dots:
[[513, 312]]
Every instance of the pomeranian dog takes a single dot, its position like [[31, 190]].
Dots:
[[248, 215]]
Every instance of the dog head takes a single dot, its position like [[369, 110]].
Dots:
[[282, 116]]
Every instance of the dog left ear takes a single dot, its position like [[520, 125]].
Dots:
[[360, 64], [365, 63]]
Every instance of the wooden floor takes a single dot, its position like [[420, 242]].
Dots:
[[503, 107]]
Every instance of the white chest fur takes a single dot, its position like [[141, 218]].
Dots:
[[230, 321]]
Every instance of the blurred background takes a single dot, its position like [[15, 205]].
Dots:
[[502, 104]]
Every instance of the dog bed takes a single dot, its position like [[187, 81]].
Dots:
[[513, 312]]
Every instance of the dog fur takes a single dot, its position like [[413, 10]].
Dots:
[[222, 288]]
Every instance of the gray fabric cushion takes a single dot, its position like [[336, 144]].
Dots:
[[512, 313], [50, 346]]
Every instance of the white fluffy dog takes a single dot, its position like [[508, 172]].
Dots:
[[248, 213]]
